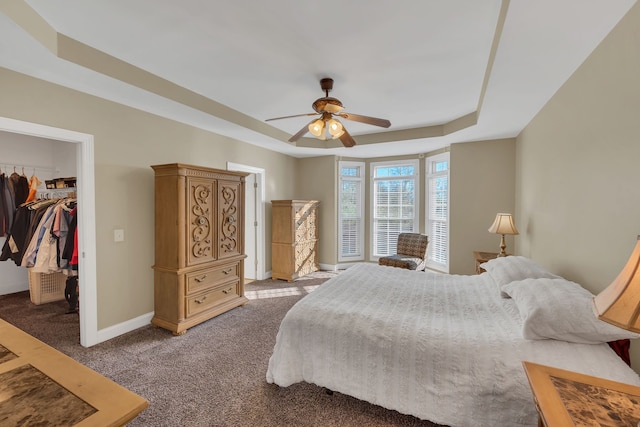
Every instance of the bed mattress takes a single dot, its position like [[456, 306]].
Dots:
[[444, 348]]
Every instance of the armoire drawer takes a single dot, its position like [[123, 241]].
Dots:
[[206, 278], [211, 298]]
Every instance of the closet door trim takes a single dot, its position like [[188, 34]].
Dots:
[[86, 219]]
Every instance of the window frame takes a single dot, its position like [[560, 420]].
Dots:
[[415, 163], [342, 257], [433, 239]]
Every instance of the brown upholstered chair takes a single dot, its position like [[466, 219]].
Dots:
[[411, 252]]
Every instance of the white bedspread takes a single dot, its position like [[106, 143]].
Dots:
[[443, 348]]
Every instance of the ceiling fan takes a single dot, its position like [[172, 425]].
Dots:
[[328, 107]]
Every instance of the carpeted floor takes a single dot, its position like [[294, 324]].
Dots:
[[214, 375]]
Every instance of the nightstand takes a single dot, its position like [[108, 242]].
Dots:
[[482, 257], [565, 398]]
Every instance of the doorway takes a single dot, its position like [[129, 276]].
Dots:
[[254, 268], [86, 217], [250, 233]]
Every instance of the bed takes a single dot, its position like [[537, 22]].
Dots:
[[444, 348]]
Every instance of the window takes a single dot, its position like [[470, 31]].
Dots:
[[438, 212], [350, 221], [394, 203]]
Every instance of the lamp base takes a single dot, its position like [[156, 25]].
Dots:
[[503, 246]]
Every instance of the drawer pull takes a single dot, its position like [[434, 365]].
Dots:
[[200, 300], [227, 271], [201, 279], [226, 291]]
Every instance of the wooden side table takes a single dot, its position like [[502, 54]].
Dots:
[[566, 398], [482, 257]]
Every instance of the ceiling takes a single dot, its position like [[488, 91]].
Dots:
[[442, 72]]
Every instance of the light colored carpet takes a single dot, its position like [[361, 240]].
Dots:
[[214, 375]]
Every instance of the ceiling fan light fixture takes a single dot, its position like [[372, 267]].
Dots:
[[335, 128], [326, 126], [317, 128]]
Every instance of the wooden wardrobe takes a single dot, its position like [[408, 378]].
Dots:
[[199, 244], [294, 238]]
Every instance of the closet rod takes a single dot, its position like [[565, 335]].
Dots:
[[10, 166]]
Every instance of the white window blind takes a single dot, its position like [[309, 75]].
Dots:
[[350, 221], [438, 212], [395, 203]]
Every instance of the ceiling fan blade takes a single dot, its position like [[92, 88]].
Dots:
[[301, 132], [366, 119], [288, 117], [333, 108], [346, 139]]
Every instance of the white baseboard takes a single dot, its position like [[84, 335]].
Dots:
[[336, 267], [12, 288], [124, 327]]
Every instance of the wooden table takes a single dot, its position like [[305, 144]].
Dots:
[[482, 257], [41, 386], [566, 398]]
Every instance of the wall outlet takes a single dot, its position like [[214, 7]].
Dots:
[[118, 235]]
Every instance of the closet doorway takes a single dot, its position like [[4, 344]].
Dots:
[[254, 268], [86, 216]]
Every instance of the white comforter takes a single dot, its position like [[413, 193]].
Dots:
[[443, 348]]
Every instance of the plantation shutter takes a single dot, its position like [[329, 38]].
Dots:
[[438, 212], [351, 225], [395, 201], [351, 218]]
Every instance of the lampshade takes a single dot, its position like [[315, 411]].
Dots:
[[317, 128], [335, 128], [503, 224], [619, 303]]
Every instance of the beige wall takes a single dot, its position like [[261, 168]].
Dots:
[[578, 174], [127, 142], [316, 180], [482, 184]]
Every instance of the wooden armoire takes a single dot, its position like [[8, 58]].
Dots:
[[294, 238], [199, 244]]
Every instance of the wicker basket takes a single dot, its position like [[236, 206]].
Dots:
[[46, 287]]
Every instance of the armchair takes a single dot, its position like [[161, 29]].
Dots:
[[411, 252]]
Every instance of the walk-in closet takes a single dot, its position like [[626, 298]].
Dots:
[[38, 236]]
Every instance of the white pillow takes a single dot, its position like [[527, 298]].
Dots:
[[504, 270], [561, 310]]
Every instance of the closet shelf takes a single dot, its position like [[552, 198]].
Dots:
[[58, 193]]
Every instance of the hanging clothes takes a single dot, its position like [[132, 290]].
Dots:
[[24, 225], [14, 190], [60, 231], [43, 252], [40, 237], [40, 250], [7, 205], [34, 182], [20, 186], [70, 251]]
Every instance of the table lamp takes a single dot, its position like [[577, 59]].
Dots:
[[503, 224], [619, 303]]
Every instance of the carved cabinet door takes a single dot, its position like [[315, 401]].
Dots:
[[230, 226], [200, 216]]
